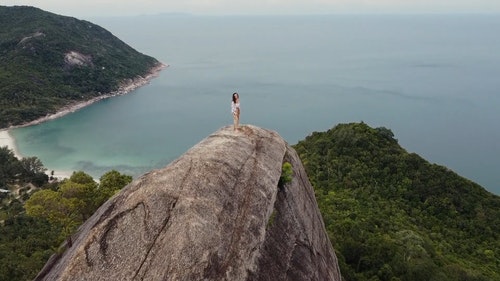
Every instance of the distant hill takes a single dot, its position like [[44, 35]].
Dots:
[[391, 215], [48, 61]]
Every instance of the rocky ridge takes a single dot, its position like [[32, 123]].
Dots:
[[215, 213]]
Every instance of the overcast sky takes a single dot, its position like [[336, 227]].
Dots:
[[90, 8]]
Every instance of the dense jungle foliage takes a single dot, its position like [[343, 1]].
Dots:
[[391, 215], [36, 77], [37, 215]]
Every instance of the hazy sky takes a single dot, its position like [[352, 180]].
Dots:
[[90, 8]]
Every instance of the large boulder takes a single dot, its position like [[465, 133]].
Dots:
[[215, 213]]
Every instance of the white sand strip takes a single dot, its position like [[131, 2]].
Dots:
[[7, 140], [60, 175]]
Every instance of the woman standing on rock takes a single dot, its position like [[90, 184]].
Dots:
[[235, 109]]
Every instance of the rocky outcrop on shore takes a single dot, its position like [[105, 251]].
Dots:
[[215, 213]]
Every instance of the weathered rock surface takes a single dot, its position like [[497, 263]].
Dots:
[[215, 213]]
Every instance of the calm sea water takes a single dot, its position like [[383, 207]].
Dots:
[[434, 80]]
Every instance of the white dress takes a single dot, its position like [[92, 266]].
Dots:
[[235, 107]]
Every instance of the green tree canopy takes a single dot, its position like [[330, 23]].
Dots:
[[26, 170], [391, 215], [30, 234], [75, 199], [9, 166], [110, 183]]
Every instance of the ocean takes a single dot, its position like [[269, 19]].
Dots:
[[434, 80]]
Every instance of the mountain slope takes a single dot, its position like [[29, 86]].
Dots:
[[49, 61], [391, 214]]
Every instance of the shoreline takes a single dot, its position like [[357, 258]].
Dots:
[[6, 139], [127, 86]]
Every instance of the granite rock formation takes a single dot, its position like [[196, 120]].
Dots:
[[215, 213]]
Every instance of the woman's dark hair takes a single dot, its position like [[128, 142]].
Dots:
[[234, 96]]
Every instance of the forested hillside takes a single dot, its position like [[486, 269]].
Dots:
[[48, 61], [37, 215], [391, 215]]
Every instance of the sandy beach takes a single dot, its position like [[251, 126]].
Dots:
[[7, 140], [126, 87]]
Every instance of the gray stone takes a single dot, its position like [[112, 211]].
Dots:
[[215, 213]]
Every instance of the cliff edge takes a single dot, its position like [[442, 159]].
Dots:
[[215, 213]]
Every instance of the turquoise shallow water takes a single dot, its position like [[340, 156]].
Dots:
[[433, 80]]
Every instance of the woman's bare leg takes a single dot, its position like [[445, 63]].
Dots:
[[235, 121]]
